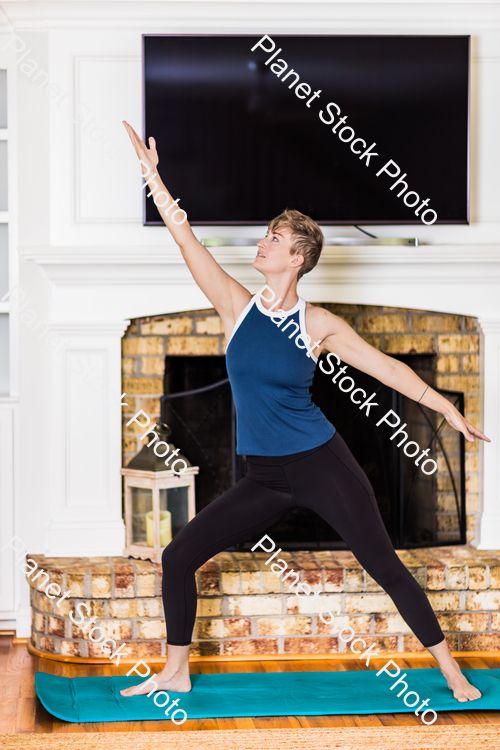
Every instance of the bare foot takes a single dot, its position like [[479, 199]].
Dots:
[[177, 683], [462, 689]]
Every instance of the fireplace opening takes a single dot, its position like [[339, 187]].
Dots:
[[199, 408], [417, 509]]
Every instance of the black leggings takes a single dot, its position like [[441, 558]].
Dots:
[[327, 480]]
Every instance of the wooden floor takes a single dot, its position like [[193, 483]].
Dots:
[[21, 711]]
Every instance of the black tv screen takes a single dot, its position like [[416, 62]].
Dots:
[[242, 134]]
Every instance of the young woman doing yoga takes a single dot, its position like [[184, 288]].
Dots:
[[295, 457]]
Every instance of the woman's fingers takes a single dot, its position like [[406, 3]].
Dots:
[[466, 432], [148, 155], [463, 425], [477, 432], [136, 141], [131, 131], [458, 423]]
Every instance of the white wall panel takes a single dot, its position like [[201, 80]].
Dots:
[[104, 88], [487, 144], [86, 433], [84, 436]]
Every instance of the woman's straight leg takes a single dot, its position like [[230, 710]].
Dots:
[[332, 483], [347, 502]]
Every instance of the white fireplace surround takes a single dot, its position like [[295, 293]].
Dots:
[[81, 255]]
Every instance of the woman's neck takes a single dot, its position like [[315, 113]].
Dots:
[[285, 294]]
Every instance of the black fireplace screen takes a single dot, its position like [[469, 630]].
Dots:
[[417, 510]]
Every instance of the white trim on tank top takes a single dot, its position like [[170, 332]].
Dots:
[[270, 313], [305, 337], [241, 318], [300, 305]]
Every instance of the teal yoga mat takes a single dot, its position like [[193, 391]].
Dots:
[[81, 699]]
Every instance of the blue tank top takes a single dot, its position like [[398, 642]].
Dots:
[[270, 377]]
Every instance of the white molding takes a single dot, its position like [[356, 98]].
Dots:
[[80, 141], [10, 217], [83, 434], [490, 532], [19, 620], [86, 538], [490, 324], [488, 516], [85, 327], [360, 254], [23, 622], [160, 266], [7, 519], [157, 16]]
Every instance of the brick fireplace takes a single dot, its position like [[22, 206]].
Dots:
[[243, 607], [454, 339]]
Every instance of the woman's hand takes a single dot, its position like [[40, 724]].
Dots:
[[458, 422], [148, 155]]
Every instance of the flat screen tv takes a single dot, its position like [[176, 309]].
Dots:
[[243, 134]]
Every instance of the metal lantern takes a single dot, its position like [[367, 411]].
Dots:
[[158, 500]]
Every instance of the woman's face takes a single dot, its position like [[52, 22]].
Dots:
[[273, 253]]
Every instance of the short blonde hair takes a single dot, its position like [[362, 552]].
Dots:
[[307, 237]]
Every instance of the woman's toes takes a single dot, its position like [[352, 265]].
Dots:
[[135, 690], [468, 693], [126, 692]]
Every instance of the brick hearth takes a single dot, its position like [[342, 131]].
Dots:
[[243, 608]]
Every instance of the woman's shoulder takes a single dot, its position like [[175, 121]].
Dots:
[[320, 322], [317, 314]]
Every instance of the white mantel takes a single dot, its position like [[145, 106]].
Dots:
[[89, 265]]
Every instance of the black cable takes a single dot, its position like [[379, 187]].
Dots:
[[168, 396], [364, 232]]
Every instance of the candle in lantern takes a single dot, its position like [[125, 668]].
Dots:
[[165, 528]]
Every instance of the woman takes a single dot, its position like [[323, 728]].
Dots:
[[295, 457]]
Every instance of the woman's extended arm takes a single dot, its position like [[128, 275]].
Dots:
[[339, 337], [227, 295]]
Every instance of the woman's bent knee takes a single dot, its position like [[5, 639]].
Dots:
[[172, 555]]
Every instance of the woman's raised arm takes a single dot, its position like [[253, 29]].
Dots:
[[226, 294]]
